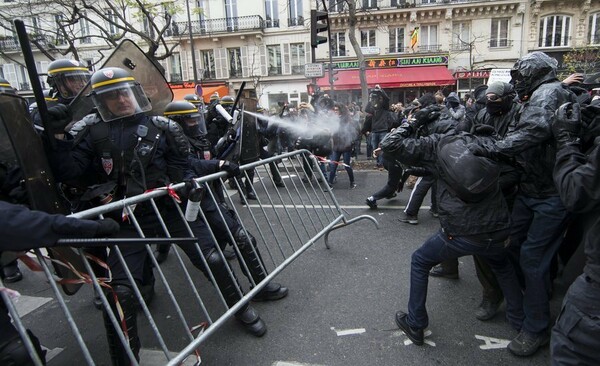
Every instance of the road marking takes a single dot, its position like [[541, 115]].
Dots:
[[27, 304], [348, 331], [293, 363], [51, 353], [427, 333], [492, 343]]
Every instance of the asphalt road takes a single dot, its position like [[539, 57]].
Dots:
[[341, 305]]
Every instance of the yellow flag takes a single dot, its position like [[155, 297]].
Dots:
[[414, 38]]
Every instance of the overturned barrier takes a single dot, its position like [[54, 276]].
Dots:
[[284, 221]]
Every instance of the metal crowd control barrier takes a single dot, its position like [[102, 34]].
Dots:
[[285, 221]]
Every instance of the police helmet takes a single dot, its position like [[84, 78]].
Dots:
[[187, 116], [227, 103], [214, 97], [193, 98], [6, 88], [68, 77], [116, 94]]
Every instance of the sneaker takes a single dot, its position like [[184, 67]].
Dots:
[[487, 309], [409, 219], [352, 185], [415, 335], [372, 203], [526, 344], [434, 213], [305, 180]]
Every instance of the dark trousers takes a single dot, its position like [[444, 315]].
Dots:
[[536, 234], [418, 195], [440, 247], [393, 180], [575, 335], [335, 157]]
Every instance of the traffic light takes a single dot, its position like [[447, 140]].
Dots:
[[332, 74], [319, 22]]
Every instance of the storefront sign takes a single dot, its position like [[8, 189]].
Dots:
[[481, 74], [381, 63], [370, 50], [184, 85]]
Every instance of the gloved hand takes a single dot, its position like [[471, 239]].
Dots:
[[59, 116], [567, 124], [107, 227], [484, 130], [425, 116], [232, 169]]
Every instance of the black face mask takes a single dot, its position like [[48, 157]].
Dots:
[[500, 108]]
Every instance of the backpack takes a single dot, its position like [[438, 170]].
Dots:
[[470, 177]]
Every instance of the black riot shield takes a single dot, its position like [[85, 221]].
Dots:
[[130, 57], [249, 143], [19, 139]]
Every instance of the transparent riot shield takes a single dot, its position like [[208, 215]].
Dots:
[[19, 139], [130, 57]]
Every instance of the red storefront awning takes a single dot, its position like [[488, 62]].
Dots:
[[402, 77]]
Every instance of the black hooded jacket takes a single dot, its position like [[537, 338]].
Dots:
[[532, 142], [577, 178], [457, 217]]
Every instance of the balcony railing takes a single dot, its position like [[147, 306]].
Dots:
[[292, 22], [220, 25], [459, 47], [274, 70], [10, 44], [501, 43], [272, 23]]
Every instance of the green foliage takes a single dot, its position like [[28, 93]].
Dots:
[[584, 60]]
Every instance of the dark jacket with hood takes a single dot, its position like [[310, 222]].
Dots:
[[532, 142], [457, 217]]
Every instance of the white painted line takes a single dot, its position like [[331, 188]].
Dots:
[[492, 343], [427, 333], [293, 363], [27, 304], [346, 332]]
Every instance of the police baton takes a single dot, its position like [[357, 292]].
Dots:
[[34, 77]]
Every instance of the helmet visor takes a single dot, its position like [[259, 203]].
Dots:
[[121, 101], [69, 84]]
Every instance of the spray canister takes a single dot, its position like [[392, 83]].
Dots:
[[193, 204]]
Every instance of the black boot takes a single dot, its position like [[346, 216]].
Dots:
[[249, 251], [128, 303], [11, 272], [13, 351], [162, 252], [228, 286]]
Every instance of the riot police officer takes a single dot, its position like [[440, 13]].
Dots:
[[66, 79], [6, 88]]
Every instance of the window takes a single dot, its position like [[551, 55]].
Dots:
[[499, 33], [60, 37], [555, 31], [298, 58], [428, 38], [367, 38], [396, 40], [336, 5], [369, 4], [338, 44], [272, 15], [111, 22], [208, 62], [295, 13], [231, 14], [594, 29], [175, 67], [148, 26], [461, 36], [235, 62], [274, 55], [84, 24]]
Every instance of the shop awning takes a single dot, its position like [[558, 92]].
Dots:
[[402, 77], [207, 91]]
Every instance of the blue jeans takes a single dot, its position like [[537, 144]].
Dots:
[[376, 138], [335, 157], [536, 234], [439, 248]]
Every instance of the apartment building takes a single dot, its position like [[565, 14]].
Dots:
[[410, 46]]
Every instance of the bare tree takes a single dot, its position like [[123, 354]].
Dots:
[[352, 22], [62, 26]]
